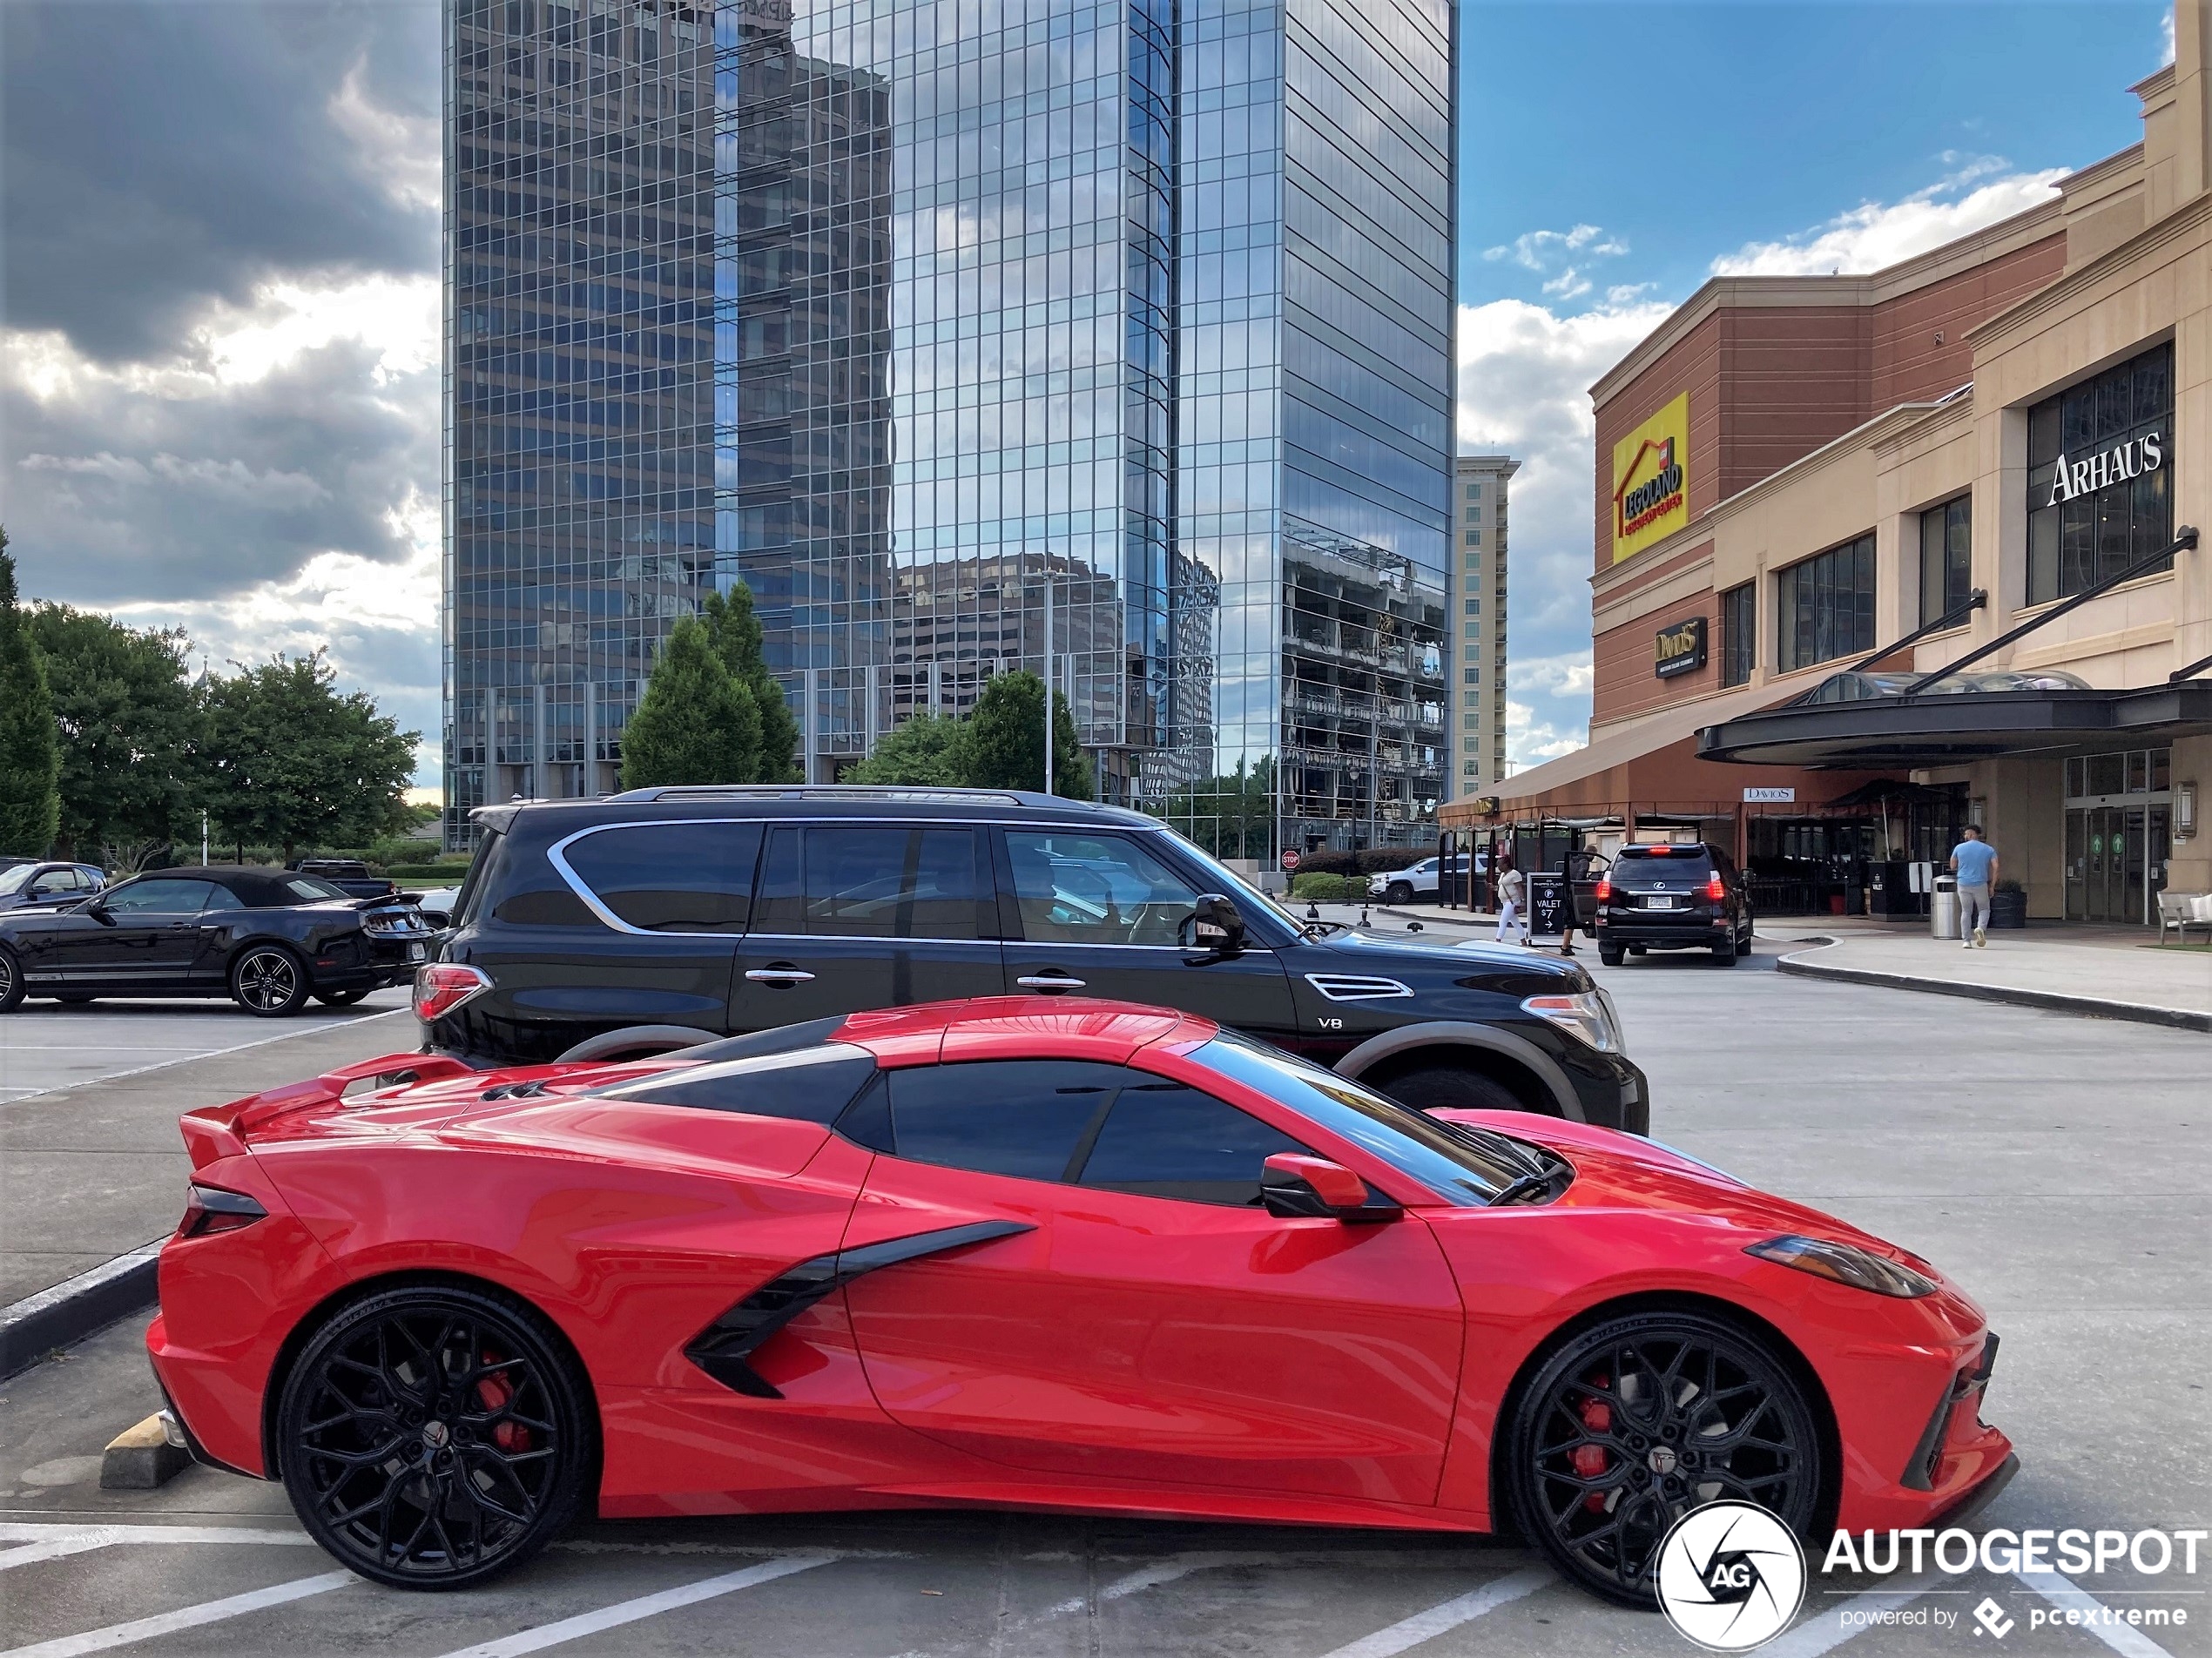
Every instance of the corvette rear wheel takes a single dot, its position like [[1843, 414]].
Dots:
[[1631, 1425], [432, 1438]]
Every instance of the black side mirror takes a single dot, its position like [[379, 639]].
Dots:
[[98, 912], [1214, 925]]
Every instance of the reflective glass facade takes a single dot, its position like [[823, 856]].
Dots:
[[939, 305]]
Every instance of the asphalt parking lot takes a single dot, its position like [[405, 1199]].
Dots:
[[2056, 1165]]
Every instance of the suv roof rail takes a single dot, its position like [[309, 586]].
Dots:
[[839, 791]]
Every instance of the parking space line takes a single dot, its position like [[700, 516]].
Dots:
[[645, 1606], [47, 1532], [2062, 1591], [1450, 1614], [1825, 1632], [212, 1053], [232, 1606]]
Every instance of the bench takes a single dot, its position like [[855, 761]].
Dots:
[[2182, 911]]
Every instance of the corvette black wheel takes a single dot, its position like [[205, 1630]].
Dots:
[[1630, 1426], [268, 981], [433, 1437]]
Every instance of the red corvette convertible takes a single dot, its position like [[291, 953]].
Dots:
[[1034, 1254]]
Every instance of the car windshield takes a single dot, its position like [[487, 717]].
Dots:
[[1460, 1171], [11, 879], [313, 889]]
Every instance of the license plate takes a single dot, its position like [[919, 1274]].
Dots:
[[1659, 901], [417, 952]]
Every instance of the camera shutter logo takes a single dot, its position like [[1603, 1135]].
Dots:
[[1730, 1576]]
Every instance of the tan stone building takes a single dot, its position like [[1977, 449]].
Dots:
[[1480, 525], [1815, 493]]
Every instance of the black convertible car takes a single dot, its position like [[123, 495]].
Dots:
[[268, 939]]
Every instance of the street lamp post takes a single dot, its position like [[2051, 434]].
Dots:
[[1048, 673]]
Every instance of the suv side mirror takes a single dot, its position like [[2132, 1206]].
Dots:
[[1216, 925], [1298, 1186]]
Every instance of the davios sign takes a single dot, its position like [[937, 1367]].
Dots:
[[1651, 480]]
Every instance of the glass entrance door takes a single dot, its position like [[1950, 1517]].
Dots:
[[2119, 828]]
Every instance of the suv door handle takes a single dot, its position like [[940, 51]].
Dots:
[[1055, 981], [783, 977]]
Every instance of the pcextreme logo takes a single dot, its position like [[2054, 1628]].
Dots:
[[1651, 480]]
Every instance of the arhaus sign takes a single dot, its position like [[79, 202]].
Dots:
[[2106, 468]]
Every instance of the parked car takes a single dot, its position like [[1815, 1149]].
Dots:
[[29, 883], [1683, 897], [1423, 880], [267, 938], [594, 929], [437, 905], [1067, 1255], [349, 875]]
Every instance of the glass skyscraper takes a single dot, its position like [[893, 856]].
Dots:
[[928, 321]]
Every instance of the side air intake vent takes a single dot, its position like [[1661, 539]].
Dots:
[[1356, 987]]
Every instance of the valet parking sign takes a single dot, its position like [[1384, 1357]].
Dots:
[[1730, 1578]]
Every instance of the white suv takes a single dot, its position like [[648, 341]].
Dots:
[[1415, 880]]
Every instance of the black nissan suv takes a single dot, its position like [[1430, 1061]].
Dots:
[[1682, 897], [662, 918]]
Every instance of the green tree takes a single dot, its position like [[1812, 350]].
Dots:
[[30, 803], [130, 726], [735, 633], [930, 750], [1005, 740], [1232, 815], [695, 724], [293, 763]]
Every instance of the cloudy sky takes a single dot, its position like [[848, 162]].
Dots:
[[218, 329]]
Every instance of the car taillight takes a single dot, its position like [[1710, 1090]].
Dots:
[[1604, 890], [210, 1209], [1715, 890], [443, 986]]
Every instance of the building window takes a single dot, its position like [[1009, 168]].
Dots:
[[1739, 634], [1474, 677], [1474, 493], [1475, 607], [2099, 494], [1473, 539], [1946, 557], [1824, 606]]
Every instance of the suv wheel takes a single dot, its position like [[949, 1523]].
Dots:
[[1726, 953], [1451, 1087], [269, 981], [1399, 892], [1611, 955]]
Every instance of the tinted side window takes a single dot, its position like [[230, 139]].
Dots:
[[672, 877], [1096, 889], [160, 897], [858, 881], [1029, 1118], [808, 1087], [1643, 870], [1165, 1140]]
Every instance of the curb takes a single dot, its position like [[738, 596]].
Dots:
[[2049, 1001], [78, 1307]]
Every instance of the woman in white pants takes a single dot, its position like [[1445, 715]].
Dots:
[[1513, 892]]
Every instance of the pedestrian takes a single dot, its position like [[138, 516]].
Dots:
[[1513, 892], [1974, 860]]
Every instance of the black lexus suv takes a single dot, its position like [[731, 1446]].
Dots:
[[661, 918], [1687, 897]]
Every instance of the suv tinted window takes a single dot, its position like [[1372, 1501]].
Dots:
[[1029, 1118], [160, 898], [856, 880], [810, 1086], [1163, 1139], [671, 877], [1078, 888], [1634, 866]]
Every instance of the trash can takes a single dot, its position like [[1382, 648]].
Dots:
[[1943, 907]]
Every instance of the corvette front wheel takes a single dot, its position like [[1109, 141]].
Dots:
[[1631, 1425], [431, 1438]]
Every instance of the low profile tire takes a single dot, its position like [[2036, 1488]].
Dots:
[[433, 1437], [1611, 955], [1630, 1424], [339, 998], [1449, 1088], [269, 981], [10, 981], [1398, 892]]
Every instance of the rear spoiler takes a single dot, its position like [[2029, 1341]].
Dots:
[[215, 1132]]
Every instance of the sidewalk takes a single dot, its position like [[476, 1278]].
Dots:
[[2111, 972]]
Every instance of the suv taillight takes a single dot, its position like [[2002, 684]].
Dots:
[[443, 986], [1715, 888], [210, 1209], [1604, 890]]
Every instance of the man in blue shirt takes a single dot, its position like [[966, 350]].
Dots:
[[1974, 861]]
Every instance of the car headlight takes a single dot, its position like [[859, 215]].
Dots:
[[1844, 1263], [1587, 1014]]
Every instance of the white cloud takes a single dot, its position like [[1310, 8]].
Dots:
[[402, 151], [1531, 741], [1977, 192]]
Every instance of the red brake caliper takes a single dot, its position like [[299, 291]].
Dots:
[[1592, 1460], [495, 1391]]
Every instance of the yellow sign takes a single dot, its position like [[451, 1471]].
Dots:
[[1651, 480]]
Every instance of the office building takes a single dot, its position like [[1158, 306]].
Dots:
[[1478, 610], [901, 314]]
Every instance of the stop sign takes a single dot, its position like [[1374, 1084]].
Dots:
[[1290, 861]]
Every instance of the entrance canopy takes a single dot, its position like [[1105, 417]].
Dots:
[[1938, 729]]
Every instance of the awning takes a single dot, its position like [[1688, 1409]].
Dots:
[[1940, 729]]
